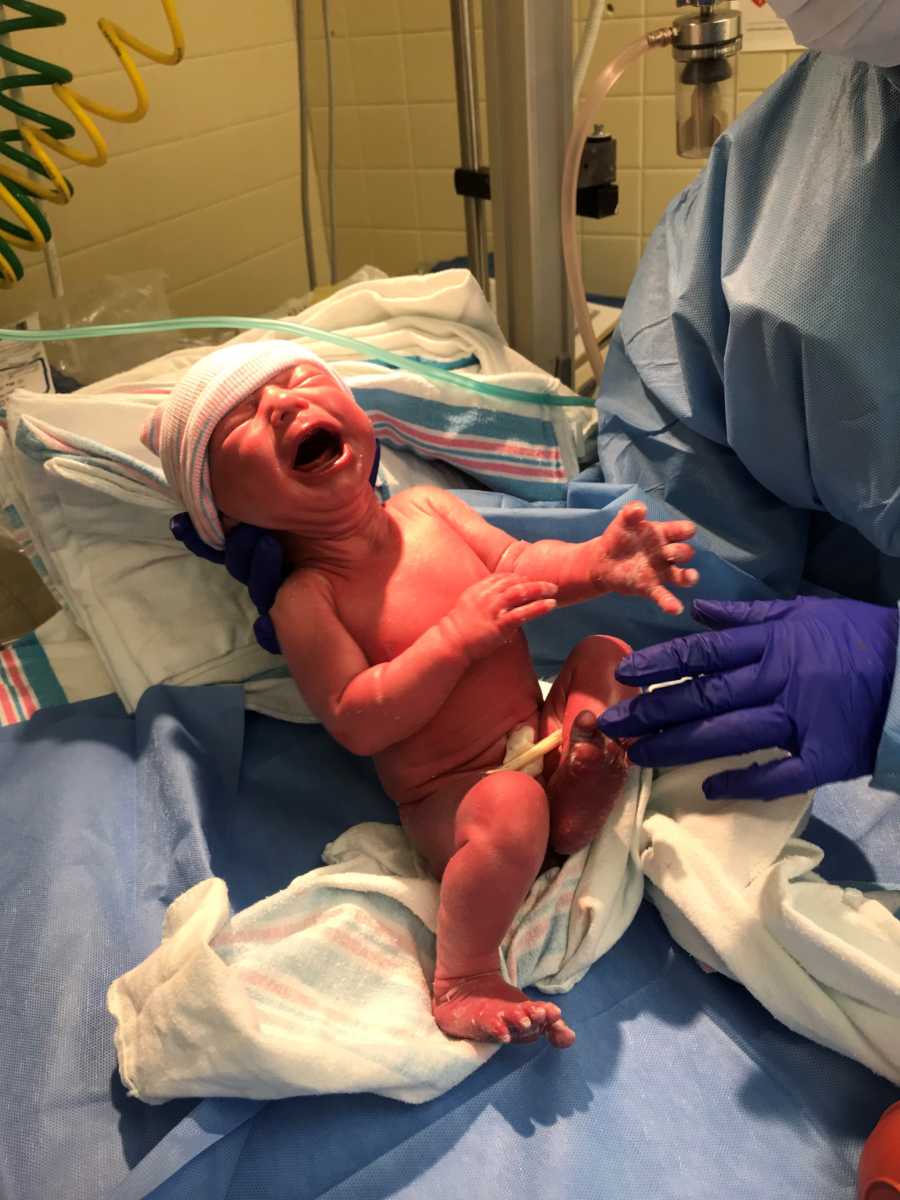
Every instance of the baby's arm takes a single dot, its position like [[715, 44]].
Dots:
[[633, 556], [369, 708]]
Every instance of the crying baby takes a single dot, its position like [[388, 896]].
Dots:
[[401, 623]]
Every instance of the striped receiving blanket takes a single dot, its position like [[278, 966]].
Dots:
[[57, 664], [507, 446], [27, 681], [325, 986]]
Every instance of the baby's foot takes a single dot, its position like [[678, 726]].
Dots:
[[485, 1008], [585, 785]]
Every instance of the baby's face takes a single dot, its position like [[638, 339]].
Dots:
[[294, 452]]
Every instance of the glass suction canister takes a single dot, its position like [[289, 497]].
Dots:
[[705, 51]]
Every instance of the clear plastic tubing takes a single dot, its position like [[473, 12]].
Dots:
[[591, 33], [583, 123], [441, 376]]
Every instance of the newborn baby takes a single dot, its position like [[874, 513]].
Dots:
[[402, 626]]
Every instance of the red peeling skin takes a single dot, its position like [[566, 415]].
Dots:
[[401, 624], [484, 1008]]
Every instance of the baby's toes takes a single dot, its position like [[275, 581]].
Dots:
[[560, 1035], [518, 1022], [552, 1013], [496, 1028]]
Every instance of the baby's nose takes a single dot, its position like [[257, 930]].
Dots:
[[283, 406], [282, 414]]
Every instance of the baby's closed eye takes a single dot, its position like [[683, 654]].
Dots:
[[242, 412]]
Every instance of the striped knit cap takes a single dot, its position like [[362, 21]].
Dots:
[[180, 429]]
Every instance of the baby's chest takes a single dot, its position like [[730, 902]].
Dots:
[[406, 594]]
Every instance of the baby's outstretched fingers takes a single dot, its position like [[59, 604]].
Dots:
[[633, 514], [677, 531], [526, 612], [637, 557], [525, 599], [677, 552], [517, 591], [491, 609], [664, 599], [683, 578]]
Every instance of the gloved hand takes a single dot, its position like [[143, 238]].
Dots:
[[253, 557], [810, 676]]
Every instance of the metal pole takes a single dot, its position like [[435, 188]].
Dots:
[[51, 256], [467, 108], [528, 62], [300, 25]]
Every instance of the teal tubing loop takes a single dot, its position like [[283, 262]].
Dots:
[[442, 376]]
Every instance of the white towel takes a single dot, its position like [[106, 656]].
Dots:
[[739, 890], [325, 986]]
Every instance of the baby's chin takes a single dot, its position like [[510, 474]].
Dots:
[[229, 524], [273, 525]]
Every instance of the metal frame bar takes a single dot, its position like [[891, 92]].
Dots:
[[528, 66], [462, 20]]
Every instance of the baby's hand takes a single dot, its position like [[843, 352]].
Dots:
[[637, 557], [489, 612]]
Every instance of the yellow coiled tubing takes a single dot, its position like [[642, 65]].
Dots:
[[29, 175]]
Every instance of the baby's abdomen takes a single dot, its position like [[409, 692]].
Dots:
[[469, 733]]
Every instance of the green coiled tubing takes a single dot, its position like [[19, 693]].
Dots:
[[40, 74]]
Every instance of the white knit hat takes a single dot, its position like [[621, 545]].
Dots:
[[180, 429]]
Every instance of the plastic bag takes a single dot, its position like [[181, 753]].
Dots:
[[138, 296]]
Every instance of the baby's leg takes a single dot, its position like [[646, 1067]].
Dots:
[[586, 775], [485, 841]]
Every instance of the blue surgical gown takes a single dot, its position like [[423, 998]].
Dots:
[[754, 380]]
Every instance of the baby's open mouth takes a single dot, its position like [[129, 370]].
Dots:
[[318, 450]]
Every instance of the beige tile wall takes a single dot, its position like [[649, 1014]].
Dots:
[[206, 187], [397, 138]]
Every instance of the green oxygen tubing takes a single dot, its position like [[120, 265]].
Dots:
[[438, 375]]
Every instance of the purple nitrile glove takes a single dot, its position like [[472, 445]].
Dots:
[[253, 557], [810, 676]]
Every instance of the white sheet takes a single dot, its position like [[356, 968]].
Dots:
[[324, 987]]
